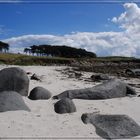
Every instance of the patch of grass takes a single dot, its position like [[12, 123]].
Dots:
[[20, 59], [115, 59]]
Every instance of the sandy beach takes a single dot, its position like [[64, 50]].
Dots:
[[42, 122]]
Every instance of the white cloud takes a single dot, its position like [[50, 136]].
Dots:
[[130, 19], [126, 43], [105, 43]]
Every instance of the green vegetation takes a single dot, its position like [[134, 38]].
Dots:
[[59, 51], [59, 55], [115, 59], [20, 59], [4, 47]]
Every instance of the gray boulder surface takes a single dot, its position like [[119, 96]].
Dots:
[[112, 126], [14, 79], [64, 106], [12, 101], [39, 93], [113, 88]]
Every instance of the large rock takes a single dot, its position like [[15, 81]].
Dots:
[[112, 126], [14, 79], [64, 106], [12, 101], [39, 93], [111, 89]]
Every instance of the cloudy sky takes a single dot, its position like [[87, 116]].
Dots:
[[104, 27]]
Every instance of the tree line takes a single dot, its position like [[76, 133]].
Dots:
[[58, 51], [4, 47]]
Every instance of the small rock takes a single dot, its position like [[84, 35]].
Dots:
[[39, 93], [28, 73], [100, 77], [64, 106], [35, 77]]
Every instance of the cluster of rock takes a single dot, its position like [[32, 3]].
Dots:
[[71, 73], [117, 68], [133, 72], [14, 83], [107, 126]]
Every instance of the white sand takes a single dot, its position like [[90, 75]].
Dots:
[[43, 122]]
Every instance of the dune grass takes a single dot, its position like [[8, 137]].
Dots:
[[22, 59]]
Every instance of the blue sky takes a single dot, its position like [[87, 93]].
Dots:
[[21, 19], [104, 28]]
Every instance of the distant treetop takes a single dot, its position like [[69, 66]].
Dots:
[[59, 51], [4, 47]]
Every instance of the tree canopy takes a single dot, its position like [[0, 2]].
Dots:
[[4, 46], [59, 51]]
